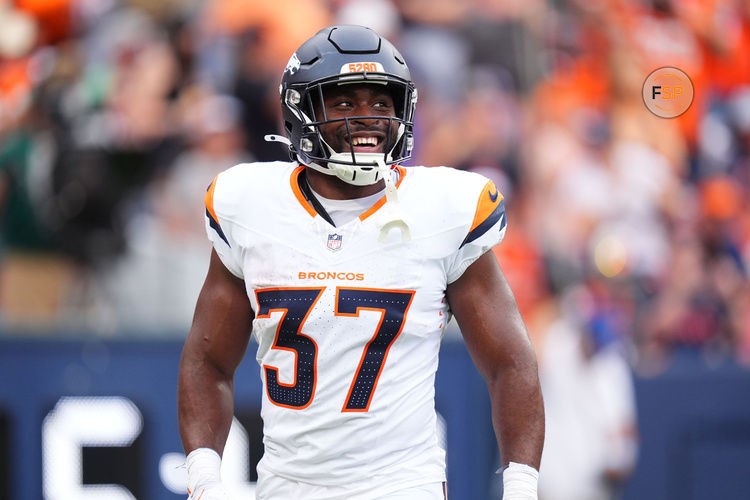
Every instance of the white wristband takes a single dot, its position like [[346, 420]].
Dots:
[[520, 482], [203, 467]]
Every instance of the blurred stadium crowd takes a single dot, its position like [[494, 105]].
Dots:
[[116, 114]]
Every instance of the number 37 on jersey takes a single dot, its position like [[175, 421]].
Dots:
[[296, 304]]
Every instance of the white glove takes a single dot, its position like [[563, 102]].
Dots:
[[204, 476], [212, 491], [520, 482]]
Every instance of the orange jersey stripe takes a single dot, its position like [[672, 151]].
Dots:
[[209, 199], [213, 220], [294, 181], [488, 201], [381, 201]]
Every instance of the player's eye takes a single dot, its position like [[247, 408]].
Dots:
[[382, 105], [342, 104]]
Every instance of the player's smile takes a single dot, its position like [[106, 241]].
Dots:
[[366, 142]]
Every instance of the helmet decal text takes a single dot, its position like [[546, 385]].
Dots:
[[359, 67]]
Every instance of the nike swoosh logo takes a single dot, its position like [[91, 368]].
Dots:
[[493, 196]]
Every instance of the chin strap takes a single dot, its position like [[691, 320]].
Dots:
[[390, 215]]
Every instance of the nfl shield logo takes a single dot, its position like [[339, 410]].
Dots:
[[334, 242]]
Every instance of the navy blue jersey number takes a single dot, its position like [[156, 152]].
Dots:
[[392, 306], [296, 304]]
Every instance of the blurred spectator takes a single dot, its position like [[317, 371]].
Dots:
[[380, 15], [167, 250], [34, 277], [18, 36], [591, 439]]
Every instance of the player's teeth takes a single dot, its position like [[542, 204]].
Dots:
[[359, 141]]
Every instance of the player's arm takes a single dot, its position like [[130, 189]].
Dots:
[[486, 311], [214, 348]]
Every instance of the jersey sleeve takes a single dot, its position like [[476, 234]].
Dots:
[[486, 230], [218, 229]]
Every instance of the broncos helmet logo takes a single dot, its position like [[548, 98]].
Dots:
[[293, 65]]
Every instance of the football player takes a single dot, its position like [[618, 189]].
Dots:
[[346, 267]]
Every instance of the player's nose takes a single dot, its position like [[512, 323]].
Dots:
[[361, 111]]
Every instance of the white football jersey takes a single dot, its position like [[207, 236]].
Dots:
[[349, 327]]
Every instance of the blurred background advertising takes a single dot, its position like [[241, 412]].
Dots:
[[628, 244]]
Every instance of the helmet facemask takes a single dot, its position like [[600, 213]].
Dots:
[[306, 104]]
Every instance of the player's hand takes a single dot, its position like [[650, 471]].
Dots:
[[520, 482], [211, 491], [204, 476]]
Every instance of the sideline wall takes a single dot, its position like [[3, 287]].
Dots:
[[694, 423]]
